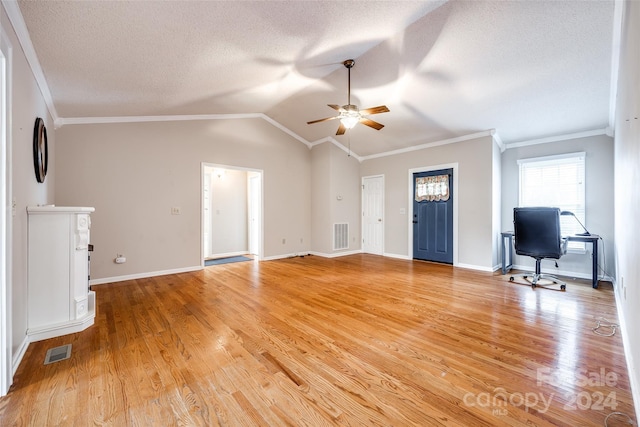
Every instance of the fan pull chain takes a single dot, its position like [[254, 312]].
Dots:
[[604, 323]]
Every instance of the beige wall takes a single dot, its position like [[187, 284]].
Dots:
[[345, 197], [320, 206], [335, 198], [627, 191], [598, 198], [26, 103], [133, 173], [476, 243]]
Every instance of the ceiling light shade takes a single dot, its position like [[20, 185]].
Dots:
[[349, 116], [349, 121]]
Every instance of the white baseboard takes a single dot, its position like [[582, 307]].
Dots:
[[284, 256], [474, 267], [320, 254], [459, 265], [631, 362], [336, 254], [17, 357], [143, 275], [397, 256], [51, 331]]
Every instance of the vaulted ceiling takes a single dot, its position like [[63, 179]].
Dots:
[[528, 69]]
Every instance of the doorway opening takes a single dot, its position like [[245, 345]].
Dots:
[[231, 212]]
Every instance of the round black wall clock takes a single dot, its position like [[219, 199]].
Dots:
[[40, 150]]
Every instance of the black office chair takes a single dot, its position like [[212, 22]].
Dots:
[[537, 234]]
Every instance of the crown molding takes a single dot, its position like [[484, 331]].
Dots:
[[335, 142], [141, 119], [618, 6], [433, 144], [499, 142], [20, 28], [558, 138], [285, 130]]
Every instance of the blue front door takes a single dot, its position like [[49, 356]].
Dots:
[[433, 223]]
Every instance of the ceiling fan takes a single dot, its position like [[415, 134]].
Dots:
[[349, 114]]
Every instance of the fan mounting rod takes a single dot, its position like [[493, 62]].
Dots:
[[349, 63]]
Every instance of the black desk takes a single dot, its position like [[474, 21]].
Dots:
[[507, 249]]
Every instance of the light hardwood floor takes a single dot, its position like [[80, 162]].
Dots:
[[356, 340]]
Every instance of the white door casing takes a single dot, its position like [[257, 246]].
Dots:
[[254, 214]]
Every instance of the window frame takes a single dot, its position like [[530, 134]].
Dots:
[[578, 206]]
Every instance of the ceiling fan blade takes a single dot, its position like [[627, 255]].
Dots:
[[371, 123], [341, 129], [322, 120], [374, 110], [335, 107]]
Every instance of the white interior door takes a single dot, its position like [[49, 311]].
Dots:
[[373, 214]]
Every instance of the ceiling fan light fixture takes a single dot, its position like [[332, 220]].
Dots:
[[350, 117], [349, 122]]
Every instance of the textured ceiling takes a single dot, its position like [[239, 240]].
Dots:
[[529, 69]]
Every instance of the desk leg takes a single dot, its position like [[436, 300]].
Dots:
[[594, 264], [507, 250], [503, 253]]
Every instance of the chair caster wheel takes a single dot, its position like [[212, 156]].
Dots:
[[563, 287], [533, 285], [511, 279]]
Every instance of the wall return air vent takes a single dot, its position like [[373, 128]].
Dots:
[[340, 236]]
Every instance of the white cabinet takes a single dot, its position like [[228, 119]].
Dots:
[[59, 299]]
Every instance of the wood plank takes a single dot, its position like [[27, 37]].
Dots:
[[355, 340]]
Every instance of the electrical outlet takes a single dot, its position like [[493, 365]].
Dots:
[[284, 240], [175, 210]]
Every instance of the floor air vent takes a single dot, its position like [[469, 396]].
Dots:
[[57, 354], [341, 236]]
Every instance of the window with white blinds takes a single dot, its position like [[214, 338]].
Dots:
[[556, 181]]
